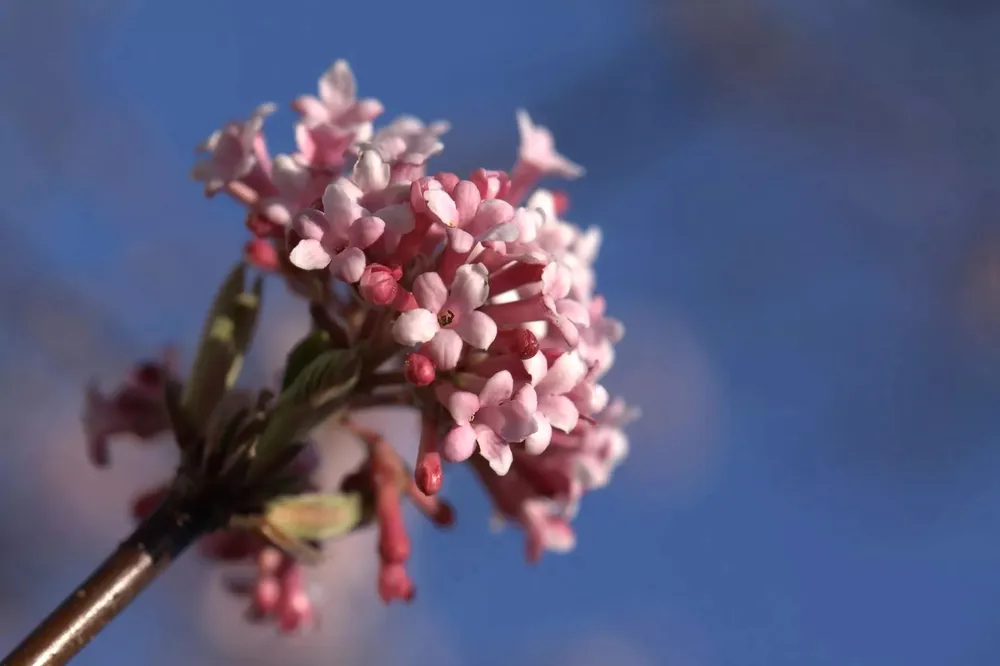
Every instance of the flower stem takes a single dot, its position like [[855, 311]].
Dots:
[[150, 549]]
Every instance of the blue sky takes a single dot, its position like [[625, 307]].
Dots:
[[792, 197]]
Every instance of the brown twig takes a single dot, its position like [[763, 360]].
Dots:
[[154, 544]]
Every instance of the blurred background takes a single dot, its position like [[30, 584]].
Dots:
[[801, 206]]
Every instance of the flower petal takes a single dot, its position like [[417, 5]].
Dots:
[[430, 292], [444, 349], [527, 221], [491, 213], [560, 411], [309, 255], [313, 110], [575, 311], [557, 280], [536, 367], [310, 224], [370, 172], [526, 398], [337, 87], [494, 449], [505, 232], [398, 217], [460, 240], [564, 374], [462, 406], [459, 444], [477, 328], [340, 205], [415, 327], [365, 231], [548, 528], [498, 389], [442, 206], [518, 422], [539, 440], [351, 264], [470, 288], [290, 176], [467, 199]]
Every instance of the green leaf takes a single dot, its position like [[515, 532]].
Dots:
[[319, 390], [316, 516], [244, 313], [185, 432], [225, 337], [304, 353], [329, 377]]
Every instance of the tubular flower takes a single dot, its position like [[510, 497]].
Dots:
[[467, 299]]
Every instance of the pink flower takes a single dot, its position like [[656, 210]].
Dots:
[[448, 317], [464, 214], [570, 315], [136, 407], [555, 409], [338, 101], [296, 186], [537, 158], [468, 306], [533, 494], [278, 591], [233, 151], [337, 119], [597, 341], [572, 247], [493, 418], [407, 143], [335, 239], [261, 253], [338, 237]]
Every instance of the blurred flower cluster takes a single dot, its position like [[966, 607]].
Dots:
[[468, 299]]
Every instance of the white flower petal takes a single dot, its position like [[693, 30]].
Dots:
[[415, 327]]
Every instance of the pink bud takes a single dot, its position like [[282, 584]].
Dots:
[[491, 184], [261, 253], [429, 473], [265, 596], [518, 341], [296, 612], [269, 561], [377, 285], [261, 227], [448, 181], [444, 516], [393, 542], [419, 370], [561, 202], [395, 583]]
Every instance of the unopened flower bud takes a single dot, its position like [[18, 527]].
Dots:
[[560, 201], [377, 285], [393, 542], [261, 253], [448, 181], [518, 341], [419, 370], [297, 611], [262, 227], [266, 595], [444, 516], [395, 583], [269, 561], [429, 475]]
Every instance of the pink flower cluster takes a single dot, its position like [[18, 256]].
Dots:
[[474, 302]]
